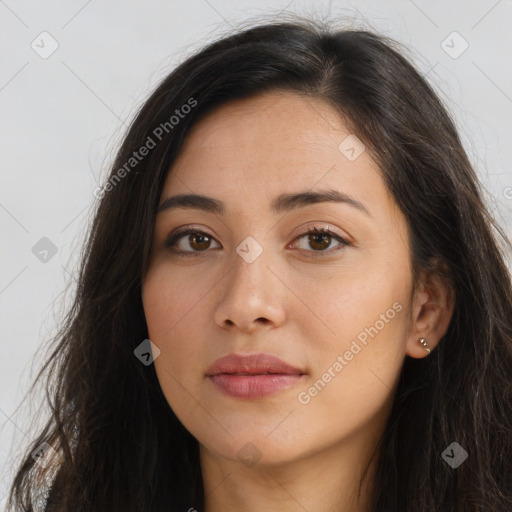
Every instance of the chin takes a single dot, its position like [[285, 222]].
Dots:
[[255, 448]]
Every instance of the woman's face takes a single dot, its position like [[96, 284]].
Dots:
[[258, 280]]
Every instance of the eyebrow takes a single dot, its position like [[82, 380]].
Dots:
[[282, 203]]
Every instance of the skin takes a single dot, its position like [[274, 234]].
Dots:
[[289, 302]]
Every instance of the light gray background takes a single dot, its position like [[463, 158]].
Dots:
[[61, 118]]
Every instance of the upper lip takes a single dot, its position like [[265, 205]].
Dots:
[[251, 364]]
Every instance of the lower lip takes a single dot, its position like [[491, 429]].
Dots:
[[253, 386]]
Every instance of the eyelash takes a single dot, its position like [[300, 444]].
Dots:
[[175, 237]]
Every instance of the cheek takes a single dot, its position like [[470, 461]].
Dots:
[[353, 376], [172, 312], [170, 303], [356, 342], [349, 302]]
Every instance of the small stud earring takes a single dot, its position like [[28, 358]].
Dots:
[[423, 341]]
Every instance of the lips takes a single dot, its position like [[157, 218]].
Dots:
[[253, 364], [252, 376]]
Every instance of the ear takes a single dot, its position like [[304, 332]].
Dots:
[[432, 309]]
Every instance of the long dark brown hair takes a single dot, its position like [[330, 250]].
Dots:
[[120, 447]]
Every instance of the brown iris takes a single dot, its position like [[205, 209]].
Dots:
[[202, 241], [319, 238]]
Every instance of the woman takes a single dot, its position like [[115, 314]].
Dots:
[[292, 296]]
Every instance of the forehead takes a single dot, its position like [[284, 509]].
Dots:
[[251, 150]]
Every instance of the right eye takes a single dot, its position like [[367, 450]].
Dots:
[[198, 240]]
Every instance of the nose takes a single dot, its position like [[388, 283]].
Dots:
[[252, 296]]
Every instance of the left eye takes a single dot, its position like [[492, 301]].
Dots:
[[318, 239]]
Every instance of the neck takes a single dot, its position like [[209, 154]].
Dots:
[[327, 481]]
